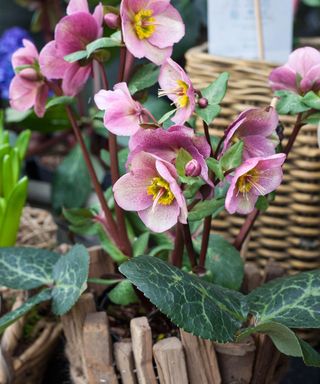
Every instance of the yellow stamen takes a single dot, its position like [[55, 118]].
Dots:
[[183, 99], [161, 192], [247, 181], [143, 24]]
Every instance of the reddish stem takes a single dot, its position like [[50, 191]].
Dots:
[[177, 254], [189, 245]]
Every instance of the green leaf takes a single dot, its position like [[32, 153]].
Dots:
[[112, 250], [76, 56], [206, 208], [290, 103], [71, 184], [60, 100], [197, 306], [286, 342], [262, 203], [22, 143], [140, 244], [103, 42], [166, 116], [216, 91], [313, 119], [81, 221], [215, 167], [26, 268], [312, 100], [183, 157], [192, 185], [292, 301], [233, 157], [106, 282], [224, 263], [13, 316], [70, 275], [123, 294], [209, 113], [312, 3], [146, 76]]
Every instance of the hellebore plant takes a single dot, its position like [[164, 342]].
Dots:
[[176, 178]]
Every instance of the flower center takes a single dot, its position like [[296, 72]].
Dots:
[[247, 181], [161, 192], [143, 24], [183, 98]]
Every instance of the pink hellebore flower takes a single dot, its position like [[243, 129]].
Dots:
[[178, 87], [165, 144], [300, 74], [123, 115], [150, 28], [152, 190], [28, 88], [255, 177], [73, 33], [256, 127]]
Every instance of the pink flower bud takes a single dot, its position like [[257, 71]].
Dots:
[[112, 20], [192, 168], [203, 102]]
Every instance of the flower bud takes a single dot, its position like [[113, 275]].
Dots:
[[203, 102], [112, 20], [192, 168]]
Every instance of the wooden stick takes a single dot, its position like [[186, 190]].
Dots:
[[259, 27], [100, 264], [236, 361], [202, 361], [142, 350], [98, 349], [124, 360], [72, 324], [170, 360]]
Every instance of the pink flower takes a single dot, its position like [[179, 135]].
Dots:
[[178, 87], [255, 177], [256, 127], [166, 144], [123, 115], [28, 88], [73, 33], [152, 190], [300, 74], [150, 28]]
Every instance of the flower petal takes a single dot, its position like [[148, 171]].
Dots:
[[130, 191], [75, 78], [283, 78], [161, 217], [22, 93], [77, 6], [303, 59], [52, 65], [41, 100]]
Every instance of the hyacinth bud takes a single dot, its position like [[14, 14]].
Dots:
[[192, 168], [112, 20], [203, 102]]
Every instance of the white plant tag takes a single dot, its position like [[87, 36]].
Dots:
[[233, 29]]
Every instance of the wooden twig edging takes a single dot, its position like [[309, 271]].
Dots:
[[123, 354]]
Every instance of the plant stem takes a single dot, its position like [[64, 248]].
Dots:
[[115, 175], [110, 223], [252, 217], [189, 245], [208, 219], [176, 257]]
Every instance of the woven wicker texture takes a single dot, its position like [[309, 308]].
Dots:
[[27, 365], [289, 231]]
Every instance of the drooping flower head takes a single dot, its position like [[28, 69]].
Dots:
[[175, 84], [123, 115], [73, 33], [150, 28], [256, 127], [300, 74], [255, 177], [151, 189], [166, 144], [10, 41], [28, 88]]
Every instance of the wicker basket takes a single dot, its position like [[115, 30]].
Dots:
[[289, 231], [26, 365]]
